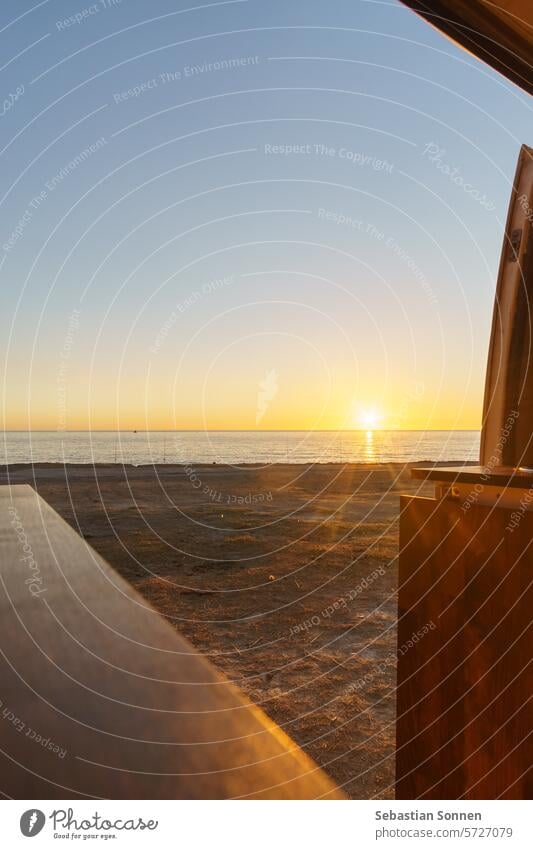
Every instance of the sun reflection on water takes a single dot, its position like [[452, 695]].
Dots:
[[369, 447]]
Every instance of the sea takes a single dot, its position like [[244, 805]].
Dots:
[[239, 447]]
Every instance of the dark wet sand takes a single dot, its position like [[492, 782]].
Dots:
[[285, 577]]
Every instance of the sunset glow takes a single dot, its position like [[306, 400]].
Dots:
[[229, 250], [370, 419]]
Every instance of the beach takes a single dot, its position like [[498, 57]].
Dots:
[[284, 576]]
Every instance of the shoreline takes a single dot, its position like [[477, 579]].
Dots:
[[408, 464]]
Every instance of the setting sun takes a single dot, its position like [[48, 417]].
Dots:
[[369, 419]]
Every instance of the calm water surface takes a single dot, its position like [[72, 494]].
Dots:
[[236, 447]]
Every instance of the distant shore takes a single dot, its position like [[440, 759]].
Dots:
[[283, 575]]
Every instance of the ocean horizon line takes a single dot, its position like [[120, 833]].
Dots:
[[250, 430]]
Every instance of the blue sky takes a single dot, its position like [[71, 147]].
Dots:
[[195, 196]]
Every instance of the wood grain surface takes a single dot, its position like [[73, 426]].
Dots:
[[464, 689]]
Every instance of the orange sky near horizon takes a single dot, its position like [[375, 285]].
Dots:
[[417, 409]]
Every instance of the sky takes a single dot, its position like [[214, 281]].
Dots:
[[239, 215]]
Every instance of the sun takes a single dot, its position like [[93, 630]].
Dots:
[[369, 419]]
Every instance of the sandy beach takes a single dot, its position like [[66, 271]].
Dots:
[[284, 576]]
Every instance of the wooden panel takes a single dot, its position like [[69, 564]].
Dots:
[[464, 689], [101, 697], [500, 32]]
